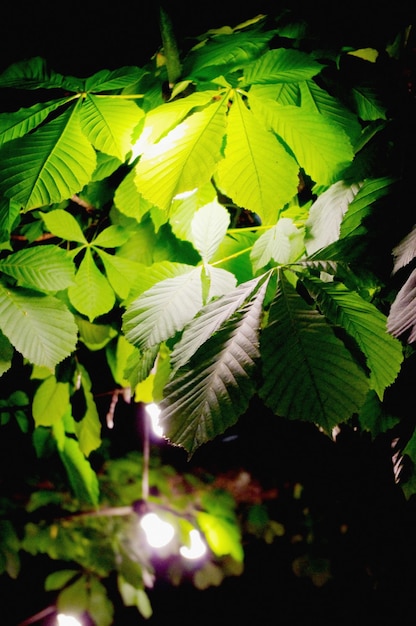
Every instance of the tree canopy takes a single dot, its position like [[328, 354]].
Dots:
[[222, 225]]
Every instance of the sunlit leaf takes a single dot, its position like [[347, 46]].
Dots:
[[46, 268], [184, 159], [257, 172], [50, 402], [39, 326], [92, 294]]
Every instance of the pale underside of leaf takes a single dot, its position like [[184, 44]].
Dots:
[[163, 309], [401, 320], [209, 397], [209, 320]]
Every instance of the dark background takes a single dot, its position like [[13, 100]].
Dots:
[[79, 38], [347, 482]]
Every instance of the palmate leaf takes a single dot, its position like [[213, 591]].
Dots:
[[366, 324], [59, 161], [46, 268], [257, 172], [92, 294], [208, 396], [308, 373], [40, 327], [185, 158]]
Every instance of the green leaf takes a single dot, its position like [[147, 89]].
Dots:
[[88, 429], [184, 159], [369, 192], [59, 161], [114, 80], [82, 477], [64, 225], [320, 145], [121, 273], [160, 120], [224, 53], [135, 597], [111, 237], [25, 120], [34, 74], [368, 103], [308, 372], [108, 123], [40, 327], [366, 324], [73, 599], [6, 354], [100, 606], [59, 579], [222, 535], [257, 172], [50, 402], [281, 66], [209, 226], [92, 294], [208, 396], [46, 268]]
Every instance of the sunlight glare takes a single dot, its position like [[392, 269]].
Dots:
[[67, 620], [153, 412], [158, 532], [197, 547]]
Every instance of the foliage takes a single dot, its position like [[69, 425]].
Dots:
[[208, 239]]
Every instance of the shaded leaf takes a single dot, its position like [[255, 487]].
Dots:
[[366, 324], [308, 373]]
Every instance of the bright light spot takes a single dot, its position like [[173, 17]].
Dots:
[[185, 194], [67, 620], [197, 547], [158, 532], [153, 412]]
